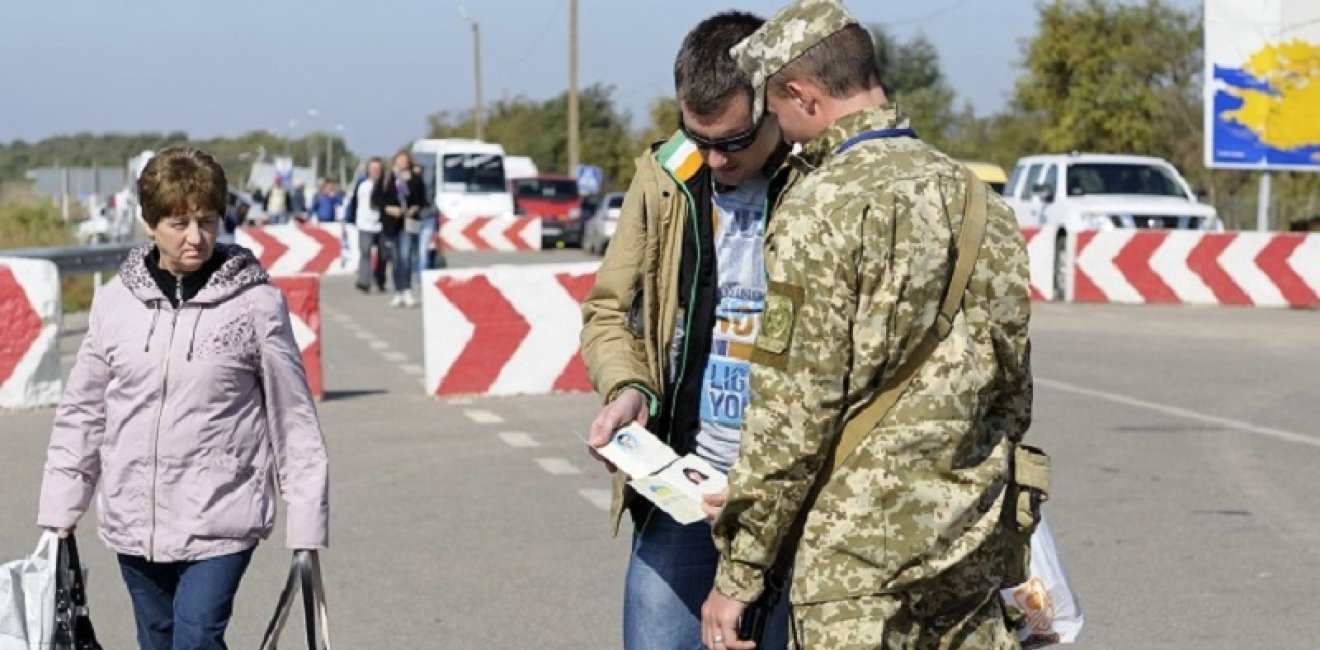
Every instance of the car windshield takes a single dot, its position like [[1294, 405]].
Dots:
[[474, 172], [1121, 178], [540, 188]]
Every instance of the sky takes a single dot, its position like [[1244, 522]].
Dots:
[[378, 68]]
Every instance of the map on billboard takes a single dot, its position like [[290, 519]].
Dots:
[[1262, 84]]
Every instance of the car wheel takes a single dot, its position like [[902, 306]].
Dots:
[[1061, 265]]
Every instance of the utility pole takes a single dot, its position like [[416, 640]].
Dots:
[[573, 157], [479, 114]]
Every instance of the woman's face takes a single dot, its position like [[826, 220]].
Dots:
[[186, 241], [402, 163]]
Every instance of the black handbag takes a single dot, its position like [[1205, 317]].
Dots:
[[304, 576], [73, 625]]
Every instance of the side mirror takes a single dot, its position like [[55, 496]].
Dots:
[[1045, 192]]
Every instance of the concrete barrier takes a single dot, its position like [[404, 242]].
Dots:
[[505, 330], [303, 293], [293, 249], [30, 313], [508, 233]]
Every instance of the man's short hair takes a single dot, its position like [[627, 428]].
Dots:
[[181, 180], [705, 75], [842, 64]]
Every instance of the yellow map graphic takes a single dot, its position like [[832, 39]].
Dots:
[[1289, 118]]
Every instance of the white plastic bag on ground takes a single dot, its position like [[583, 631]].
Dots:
[[27, 598], [1049, 607]]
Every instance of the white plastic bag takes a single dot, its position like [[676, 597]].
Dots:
[[27, 598], [1049, 607]]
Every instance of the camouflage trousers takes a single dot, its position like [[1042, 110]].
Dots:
[[885, 623]]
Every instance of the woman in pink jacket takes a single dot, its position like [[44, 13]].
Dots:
[[189, 405]]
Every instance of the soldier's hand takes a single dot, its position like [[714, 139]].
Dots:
[[719, 623], [629, 405], [713, 503]]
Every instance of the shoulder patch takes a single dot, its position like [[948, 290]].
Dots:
[[781, 306]]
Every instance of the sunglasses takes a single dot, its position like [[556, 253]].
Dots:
[[731, 144]]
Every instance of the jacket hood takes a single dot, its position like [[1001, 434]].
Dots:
[[240, 271]]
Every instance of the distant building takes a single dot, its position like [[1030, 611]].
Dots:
[[83, 182]]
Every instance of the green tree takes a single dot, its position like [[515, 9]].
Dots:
[[911, 75]]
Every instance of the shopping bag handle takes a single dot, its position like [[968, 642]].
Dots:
[[304, 576]]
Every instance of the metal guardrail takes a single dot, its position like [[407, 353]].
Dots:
[[77, 260]]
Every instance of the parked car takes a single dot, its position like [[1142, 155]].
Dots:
[[600, 227], [556, 201], [1070, 193]]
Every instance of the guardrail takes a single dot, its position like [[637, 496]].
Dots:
[[77, 260]]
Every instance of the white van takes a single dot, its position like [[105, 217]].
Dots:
[[465, 177]]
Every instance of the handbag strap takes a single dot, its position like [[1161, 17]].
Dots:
[[967, 251], [73, 624], [304, 576]]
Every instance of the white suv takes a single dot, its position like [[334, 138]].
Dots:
[[1068, 193]]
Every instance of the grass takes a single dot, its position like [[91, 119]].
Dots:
[[37, 224]]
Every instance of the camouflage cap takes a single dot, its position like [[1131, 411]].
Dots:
[[786, 36]]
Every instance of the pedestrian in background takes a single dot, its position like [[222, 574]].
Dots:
[[188, 406], [277, 202], [897, 315], [689, 248], [298, 203], [400, 197], [363, 213], [326, 201]]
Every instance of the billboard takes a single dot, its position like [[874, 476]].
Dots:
[[1262, 84]]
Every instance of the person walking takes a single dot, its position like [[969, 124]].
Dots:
[[400, 197], [366, 217], [277, 202], [188, 407], [896, 319], [669, 324]]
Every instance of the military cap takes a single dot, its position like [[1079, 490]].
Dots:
[[786, 36]]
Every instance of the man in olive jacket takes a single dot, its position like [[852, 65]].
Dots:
[[669, 326]]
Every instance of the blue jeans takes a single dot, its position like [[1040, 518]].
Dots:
[[427, 234], [670, 574], [402, 257], [183, 605]]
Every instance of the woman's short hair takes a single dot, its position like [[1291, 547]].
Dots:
[[179, 180]]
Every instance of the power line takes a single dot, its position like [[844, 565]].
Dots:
[[934, 14], [540, 40]]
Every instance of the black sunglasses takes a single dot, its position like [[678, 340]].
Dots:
[[730, 144]]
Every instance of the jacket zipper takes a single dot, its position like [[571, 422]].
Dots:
[[692, 299], [160, 416]]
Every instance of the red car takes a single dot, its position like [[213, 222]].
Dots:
[[556, 200]]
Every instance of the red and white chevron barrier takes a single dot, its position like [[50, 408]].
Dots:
[[1195, 268], [292, 249], [30, 374], [505, 330], [303, 293], [1040, 254], [508, 233]]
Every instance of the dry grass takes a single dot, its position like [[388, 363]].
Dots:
[[35, 224]]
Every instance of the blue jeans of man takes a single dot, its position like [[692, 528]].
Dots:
[[670, 574], [183, 605], [366, 272], [423, 242]]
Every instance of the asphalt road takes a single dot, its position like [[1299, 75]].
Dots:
[[1185, 444]]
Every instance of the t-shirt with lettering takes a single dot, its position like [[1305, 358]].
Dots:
[[739, 231]]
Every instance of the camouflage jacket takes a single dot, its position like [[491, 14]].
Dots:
[[858, 253]]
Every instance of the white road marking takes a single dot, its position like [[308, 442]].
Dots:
[[462, 401], [412, 369], [518, 439], [341, 318], [1187, 414], [378, 345], [365, 335], [395, 357], [598, 497], [483, 417], [558, 466]]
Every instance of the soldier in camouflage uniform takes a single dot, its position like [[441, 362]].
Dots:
[[902, 547]]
